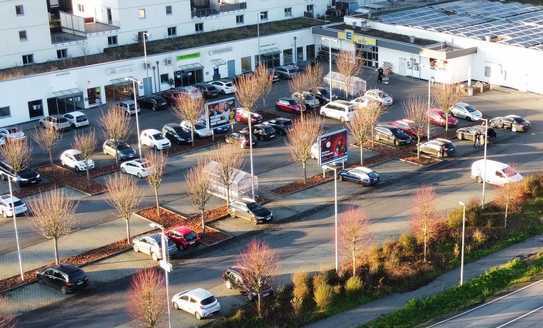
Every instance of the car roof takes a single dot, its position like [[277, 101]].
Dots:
[[137, 161], [76, 113], [495, 163], [514, 116], [128, 102], [442, 140], [461, 103], [172, 125], [198, 293], [66, 268], [286, 98], [182, 229], [72, 152], [153, 131], [361, 169], [340, 102], [8, 198]]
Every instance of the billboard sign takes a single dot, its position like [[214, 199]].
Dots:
[[333, 147], [218, 112]]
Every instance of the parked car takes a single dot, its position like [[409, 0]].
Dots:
[[438, 147], [250, 210], [466, 112], [225, 87], [77, 119], [360, 174], [7, 204], [261, 132], [208, 91], [437, 117], [119, 150], [287, 72], [233, 279], [392, 135], [495, 173], [153, 102], [514, 122], [242, 116], [152, 245], [198, 302], [470, 132], [136, 167], [361, 102], [176, 134], [238, 138], [280, 124], [406, 125], [171, 96], [288, 105], [22, 178], [65, 277], [152, 138], [129, 107], [11, 133], [200, 129], [338, 109], [183, 237], [190, 90], [58, 123], [72, 158], [323, 95], [379, 96], [309, 100]]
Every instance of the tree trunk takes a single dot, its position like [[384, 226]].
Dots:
[[418, 146], [506, 213], [127, 221], [425, 241], [50, 152], [259, 305], [192, 134], [228, 196], [302, 110], [446, 122], [157, 204], [55, 247], [361, 154], [305, 172], [372, 138], [251, 155], [354, 260], [88, 175], [203, 222]]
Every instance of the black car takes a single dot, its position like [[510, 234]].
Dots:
[[280, 124], [119, 149], [250, 210], [323, 95], [64, 277], [392, 135], [233, 279], [360, 174], [470, 133], [514, 122], [176, 134], [208, 90], [261, 132], [438, 147], [22, 178], [153, 102]]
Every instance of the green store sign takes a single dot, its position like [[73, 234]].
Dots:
[[193, 55]]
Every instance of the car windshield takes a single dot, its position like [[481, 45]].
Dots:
[[178, 129], [81, 119], [158, 136], [200, 126], [62, 120], [470, 109], [509, 171], [399, 133], [18, 203], [190, 236], [518, 119], [209, 300], [228, 84], [78, 157]]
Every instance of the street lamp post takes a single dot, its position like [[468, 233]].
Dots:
[[484, 162], [330, 61], [430, 80], [463, 239], [333, 168], [19, 257], [145, 36], [134, 82], [166, 266]]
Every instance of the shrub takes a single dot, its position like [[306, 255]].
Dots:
[[479, 237], [408, 244], [533, 185], [300, 291], [322, 294], [331, 277], [318, 279], [354, 285]]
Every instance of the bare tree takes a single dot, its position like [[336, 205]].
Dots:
[[301, 138], [7, 318], [53, 216], [445, 96], [198, 182], [510, 197], [349, 65], [424, 216], [115, 124], [157, 165], [147, 298], [86, 144], [416, 110], [259, 263], [298, 84], [374, 110], [47, 138], [264, 80], [362, 124], [124, 195], [229, 158], [314, 76], [355, 234], [189, 108], [16, 153]]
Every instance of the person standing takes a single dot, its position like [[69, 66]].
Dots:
[[380, 73], [232, 119], [476, 140]]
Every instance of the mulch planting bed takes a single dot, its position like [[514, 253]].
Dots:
[[179, 149], [423, 160]]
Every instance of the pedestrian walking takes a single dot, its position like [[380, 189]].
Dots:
[[380, 73], [232, 119], [476, 140]]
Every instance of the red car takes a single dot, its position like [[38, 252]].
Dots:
[[242, 116], [405, 125], [437, 117], [288, 105], [183, 237]]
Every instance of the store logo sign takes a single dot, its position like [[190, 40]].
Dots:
[[193, 55]]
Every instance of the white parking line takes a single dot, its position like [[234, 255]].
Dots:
[[520, 317]]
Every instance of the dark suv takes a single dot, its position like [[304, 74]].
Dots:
[[153, 103], [64, 277], [24, 177], [392, 135], [176, 134], [233, 279], [208, 90]]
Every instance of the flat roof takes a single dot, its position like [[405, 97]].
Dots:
[[163, 45], [511, 23], [384, 35]]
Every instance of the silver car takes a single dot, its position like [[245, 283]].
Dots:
[[58, 123], [152, 245]]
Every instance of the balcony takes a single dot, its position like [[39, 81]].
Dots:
[[220, 8], [71, 28]]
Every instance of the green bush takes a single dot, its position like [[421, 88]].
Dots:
[[354, 285], [408, 244], [322, 294]]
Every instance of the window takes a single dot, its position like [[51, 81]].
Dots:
[[4, 111], [22, 35], [288, 12], [28, 59], [168, 10], [143, 34], [488, 71], [164, 78], [287, 56], [141, 13], [263, 15], [81, 7], [246, 64], [62, 53], [19, 10], [112, 40], [309, 8], [239, 19], [172, 31], [199, 27]]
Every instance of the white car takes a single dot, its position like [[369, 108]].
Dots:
[[198, 302], [6, 206], [72, 158], [154, 139], [12, 133], [361, 102], [338, 109], [225, 87], [129, 107], [466, 111], [136, 167], [77, 119], [152, 245], [200, 129], [495, 173], [379, 96], [315, 151]]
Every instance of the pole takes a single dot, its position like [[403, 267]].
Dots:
[[463, 239], [484, 164], [295, 52], [16, 230], [165, 258], [428, 113], [258, 36], [137, 117], [158, 81], [335, 219], [145, 34], [251, 155], [330, 65]]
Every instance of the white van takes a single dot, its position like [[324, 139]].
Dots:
[[495, 173], [338, 109]]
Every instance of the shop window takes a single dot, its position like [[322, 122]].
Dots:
[[246, 64], [433, 63], [5, 112], [164, 78], [288, 12], [22, 36], [263, 15], [488, 71], [35, 108], [169, 10], [239, 19], [28, 59], [172, 31], [287, 56], [19, 10], [112, 40], [199, 27], [141, 13], [62, 53], [299, 54]]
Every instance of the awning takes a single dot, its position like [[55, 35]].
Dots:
[[218, 62], [190, 67], [121, 80], [270, 51], [66, 93]]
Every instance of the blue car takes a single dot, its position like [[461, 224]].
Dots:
[[360, 174]]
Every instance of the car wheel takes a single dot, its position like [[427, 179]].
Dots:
[[228, 284], [460, 136], [175, 305], [140, 175], [468, 118], [395, 142], [478, 179], [198, 316], [63, 290], [123, 170]]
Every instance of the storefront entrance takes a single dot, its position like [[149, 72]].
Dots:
[[65, 102], [119, 91], [35, 108], [189, 76], [370, 54], [94, 96], [270, 60]]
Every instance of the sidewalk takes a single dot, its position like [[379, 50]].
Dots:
[[393, 302]]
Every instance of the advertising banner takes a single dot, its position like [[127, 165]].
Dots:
[[333, 147], [218, 111]]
